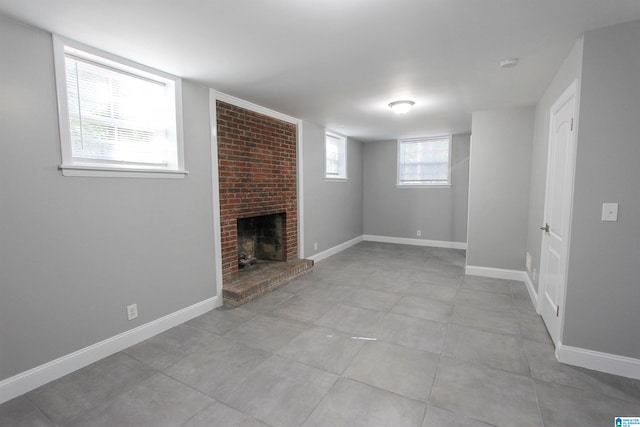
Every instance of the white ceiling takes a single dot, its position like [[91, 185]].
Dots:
[[338, 63]]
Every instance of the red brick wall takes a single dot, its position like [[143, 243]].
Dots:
[[257, 172]]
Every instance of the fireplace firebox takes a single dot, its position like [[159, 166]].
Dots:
[[261, 238]]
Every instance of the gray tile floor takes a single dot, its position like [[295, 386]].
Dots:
[[378, 335]]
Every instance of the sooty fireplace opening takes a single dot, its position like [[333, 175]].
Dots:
[[261, 238]]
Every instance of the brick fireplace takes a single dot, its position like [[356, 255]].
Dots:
[[257, 169]]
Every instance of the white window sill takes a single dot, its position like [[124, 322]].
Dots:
[[328, 179], [423, 185], [119, 172]]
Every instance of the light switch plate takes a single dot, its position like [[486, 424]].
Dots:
[[609, 211]]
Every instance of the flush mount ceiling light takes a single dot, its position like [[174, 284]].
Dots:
[[401, 107], [509, 62]]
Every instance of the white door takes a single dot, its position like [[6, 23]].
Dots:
[[557, 212]]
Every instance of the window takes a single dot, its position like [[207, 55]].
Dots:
[[117, 118], [335, 156], [424, 161]]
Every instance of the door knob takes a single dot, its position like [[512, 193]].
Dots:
[[545, 228]]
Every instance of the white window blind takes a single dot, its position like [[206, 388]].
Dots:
[[424, 161], [116, 116]]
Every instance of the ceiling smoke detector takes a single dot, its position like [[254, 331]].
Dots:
[[509, 62], [401, 107]]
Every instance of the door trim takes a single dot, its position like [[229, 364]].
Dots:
[[572, 90], [215, 196]]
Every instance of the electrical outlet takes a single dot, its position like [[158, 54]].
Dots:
[[315, 246], [610, 212], [528, 262], [132, 311], [418, 233]]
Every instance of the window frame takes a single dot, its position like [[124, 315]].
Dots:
[[71, 166], [399, 165], [342, 174]]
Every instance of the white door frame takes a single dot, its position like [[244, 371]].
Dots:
[[572, 90]]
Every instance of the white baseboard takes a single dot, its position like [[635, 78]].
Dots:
[[334, 250], [496, 273], [500, 273], [40, 375], [598, 361], [415, 242]]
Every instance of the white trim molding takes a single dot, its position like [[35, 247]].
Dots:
[[33, 378], [533, 294], [598, 361], [172, 164], [415, 242], [496, 273], [336, 249], [220, 96], [300, 185], [215, 188], [119, 172], [500, 273]]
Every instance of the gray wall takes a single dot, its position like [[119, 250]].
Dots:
[[440, 213], [570, 70], [332, 209], [603, 289], [499, 176], [76, 251]]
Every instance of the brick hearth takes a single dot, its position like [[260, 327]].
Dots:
[[260, 278]]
